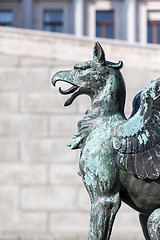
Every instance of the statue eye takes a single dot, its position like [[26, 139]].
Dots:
[[82, 67]]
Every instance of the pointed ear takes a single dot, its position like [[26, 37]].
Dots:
[[98, 54]]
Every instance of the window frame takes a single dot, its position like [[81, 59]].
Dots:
[[154, 24], [104, 24], [7, 24], [53, 24]]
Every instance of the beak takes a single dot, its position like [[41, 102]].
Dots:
[[57, 77], [67, 76]]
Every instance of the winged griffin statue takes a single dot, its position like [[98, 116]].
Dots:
[[120, 157]]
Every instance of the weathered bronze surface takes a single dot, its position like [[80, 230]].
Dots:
[[120, 158]]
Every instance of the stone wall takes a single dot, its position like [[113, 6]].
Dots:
[[41, 195]]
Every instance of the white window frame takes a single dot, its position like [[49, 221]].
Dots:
[[7, 11], [15, 8], [55, 22], [92, 7], [144, 7], [40, 7]]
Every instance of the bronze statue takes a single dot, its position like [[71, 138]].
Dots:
[[120, 158]]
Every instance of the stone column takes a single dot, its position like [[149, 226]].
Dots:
[[27, 14], [142, 23], [78, 6], [91, 24], [130, 20]]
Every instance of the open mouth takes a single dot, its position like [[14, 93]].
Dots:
[[74, 90]]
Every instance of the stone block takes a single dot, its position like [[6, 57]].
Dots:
[[24, 79], [43, 236], [23, 125], [7, 60], [16, 221], [55, 150], [35, 236], [35, 61], [127, 237], [84, 236], [23, 173], [63, 125], [9, 103], [9, 149], [69, 222], [68, 236], [83, 103], [84, 203], [8, 236], [138, 78], [9, 197], [127, 224], [48, 198], [125, 209], [49, 102], [64, 174]]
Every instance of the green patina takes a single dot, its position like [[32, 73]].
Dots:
[[120, 158]]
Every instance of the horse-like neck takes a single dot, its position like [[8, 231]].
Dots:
[[107, 105], [109, 102]]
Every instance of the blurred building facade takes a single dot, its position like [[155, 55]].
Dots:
[[41, 195], [131, 20]]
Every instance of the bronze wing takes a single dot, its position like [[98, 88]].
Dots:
[[138, 139]]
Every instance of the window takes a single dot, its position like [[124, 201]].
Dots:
[[153, 27], [53, 21], [104, 24], [6, 18]]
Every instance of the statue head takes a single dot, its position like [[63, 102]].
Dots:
[[92, 77]]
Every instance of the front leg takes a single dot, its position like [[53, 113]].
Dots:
[[103, 189], [101, 178], [103, 211]]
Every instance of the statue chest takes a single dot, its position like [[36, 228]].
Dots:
[[97, 164]]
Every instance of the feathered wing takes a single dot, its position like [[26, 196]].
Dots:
[[138, 139]]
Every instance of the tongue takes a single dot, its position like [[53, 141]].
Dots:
[[72, 97]]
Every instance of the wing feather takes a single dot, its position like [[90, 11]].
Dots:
[[131, 163], [149, 165], [121, 160], [139, 166], [137, 140]]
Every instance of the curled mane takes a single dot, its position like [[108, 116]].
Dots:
[[87, 124]]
